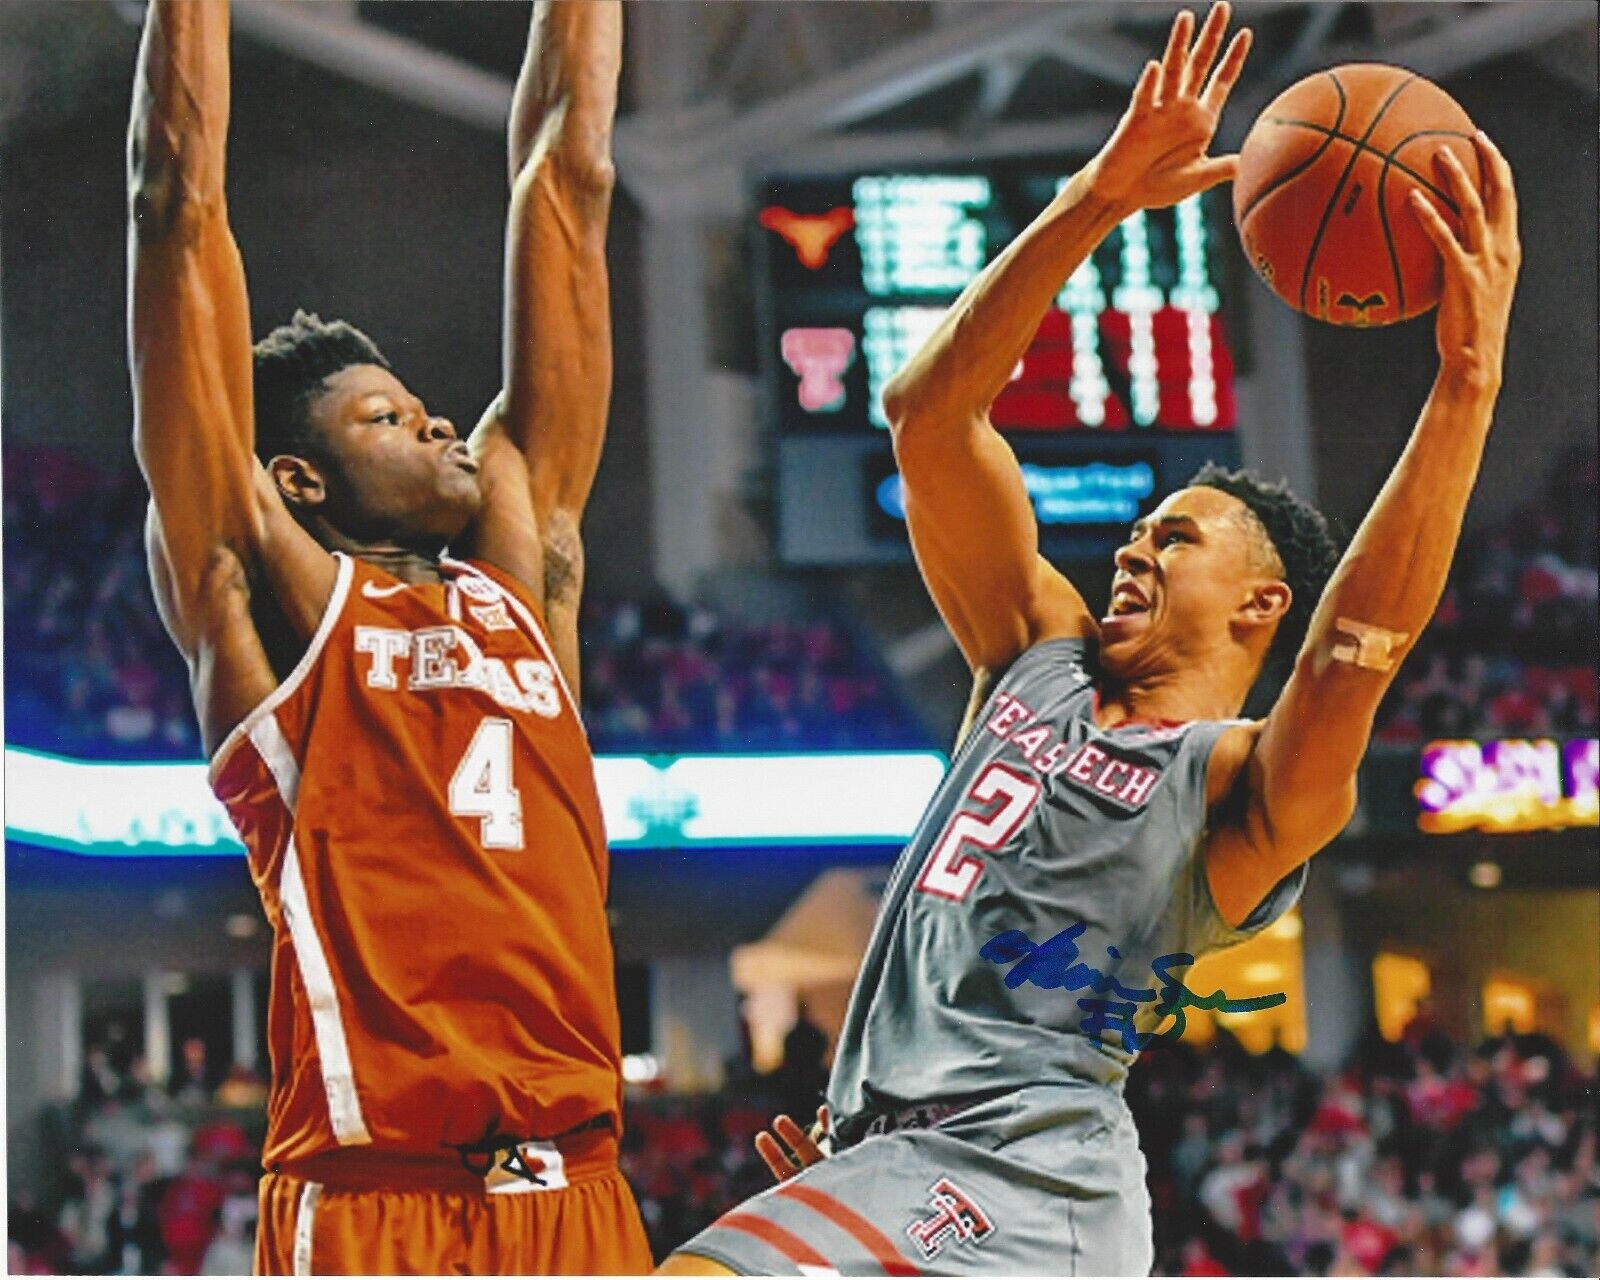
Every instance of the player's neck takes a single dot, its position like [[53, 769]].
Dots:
[[1202, 691], [406, 563], [408, 566]]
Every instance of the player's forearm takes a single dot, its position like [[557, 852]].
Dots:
[[1395, 569], [971, 356], [566, 95], [177, 135]]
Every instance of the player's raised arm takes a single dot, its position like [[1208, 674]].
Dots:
[[1300, 780], [188, 322], [540, 442], [189, 353], [971, 523]]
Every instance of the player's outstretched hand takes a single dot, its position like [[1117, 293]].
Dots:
[[1480, 264], [804, 1149], [1157, 156]]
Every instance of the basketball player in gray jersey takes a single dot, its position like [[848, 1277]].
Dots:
[[1108, 817]]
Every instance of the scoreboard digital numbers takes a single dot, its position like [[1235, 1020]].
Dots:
[[1128, 380]]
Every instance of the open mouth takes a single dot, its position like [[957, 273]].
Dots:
[[463, 459], [1127, 600]]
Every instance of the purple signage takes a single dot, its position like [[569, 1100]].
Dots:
[[1511, 784]]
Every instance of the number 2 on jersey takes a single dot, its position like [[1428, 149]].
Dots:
[[951, 871], [481, 786]]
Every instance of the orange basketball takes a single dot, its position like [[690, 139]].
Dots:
[[1321, 196]]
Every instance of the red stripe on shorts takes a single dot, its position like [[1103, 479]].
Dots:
[[784, 1241], [876, 1243]]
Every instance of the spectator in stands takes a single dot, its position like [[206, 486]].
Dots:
[[188, 1214], [191, 1084], [86, 1212]]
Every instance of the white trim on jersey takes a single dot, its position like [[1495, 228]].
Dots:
[[305, 1217], [532, 622], [333, 1050], [275, 699]]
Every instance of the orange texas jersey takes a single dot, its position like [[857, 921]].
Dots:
[[419, 805]]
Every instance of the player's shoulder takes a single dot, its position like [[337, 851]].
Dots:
[[1071, 656]]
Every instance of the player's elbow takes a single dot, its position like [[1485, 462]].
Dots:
[[576, 170], [163, 208], [908, 406]]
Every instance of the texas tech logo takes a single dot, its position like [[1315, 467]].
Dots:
[[957, 1219]]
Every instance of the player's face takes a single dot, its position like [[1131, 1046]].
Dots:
[[1185, 578], [393, 471]]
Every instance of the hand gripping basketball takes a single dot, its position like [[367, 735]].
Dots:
[[1157, 155], [1480, 264]]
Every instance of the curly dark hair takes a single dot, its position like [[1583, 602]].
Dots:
[[1304, 541], [291, 363]]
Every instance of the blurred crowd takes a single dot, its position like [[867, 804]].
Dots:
[[1421, 1157], [156, 1180], [691, 680], [89, 669], [91, 673], [1511, 651]]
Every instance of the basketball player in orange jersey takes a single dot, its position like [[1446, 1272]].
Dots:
[[392, 728]]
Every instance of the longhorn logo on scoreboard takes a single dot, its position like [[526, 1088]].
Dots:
[[811, 235], [819, 357], [957, 1219]]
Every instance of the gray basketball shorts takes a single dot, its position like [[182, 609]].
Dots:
[[1045, 1181]]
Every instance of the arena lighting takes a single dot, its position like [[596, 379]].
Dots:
[[1509, 785], [1485, 875], [640, 1068], [650, 802], [241, 927]]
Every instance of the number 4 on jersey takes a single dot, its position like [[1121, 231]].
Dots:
[[481, 786], [951, 871]]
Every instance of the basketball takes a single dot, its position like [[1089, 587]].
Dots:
[[1324, 176]]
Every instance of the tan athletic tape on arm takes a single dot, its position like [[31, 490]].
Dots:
[[1364, 645]]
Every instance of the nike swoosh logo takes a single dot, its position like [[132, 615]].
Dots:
[[373, 591]]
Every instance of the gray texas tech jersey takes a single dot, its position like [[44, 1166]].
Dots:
[[1046, 830]]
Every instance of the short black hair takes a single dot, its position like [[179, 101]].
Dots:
[[291, 363], [1303, 539]]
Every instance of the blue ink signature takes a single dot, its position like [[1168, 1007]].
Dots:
[[1054, 965]]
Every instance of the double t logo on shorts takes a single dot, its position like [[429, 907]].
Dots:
[[957, 1219]]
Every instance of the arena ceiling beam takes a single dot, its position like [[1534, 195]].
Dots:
[[1456, 41], [655, 153], [1106, 55], [866, 87], [334, 38], [846, 151], [1308, 42]]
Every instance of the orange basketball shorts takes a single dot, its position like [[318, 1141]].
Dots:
[[366, 1213]]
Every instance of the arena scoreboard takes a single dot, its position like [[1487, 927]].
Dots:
[[1125, 390]]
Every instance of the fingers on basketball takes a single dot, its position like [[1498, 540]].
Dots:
[[1436, 228], [1499, 188], [1454, 176]]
